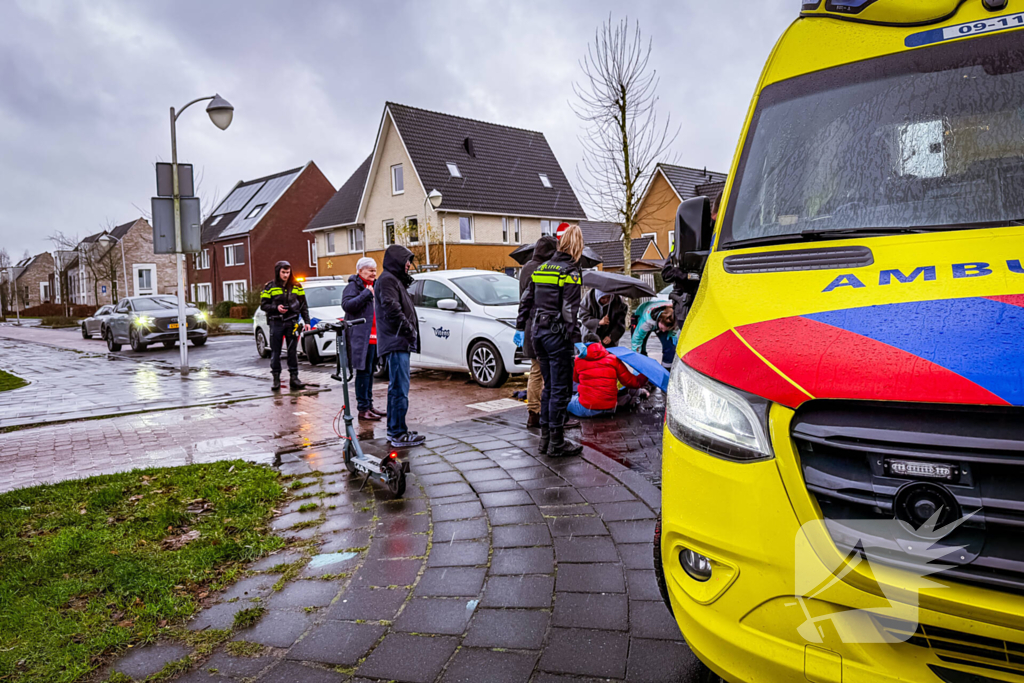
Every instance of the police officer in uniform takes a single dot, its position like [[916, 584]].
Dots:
[[284, 302], [552, 302]]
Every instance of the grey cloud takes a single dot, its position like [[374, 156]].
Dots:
[[85, 87]]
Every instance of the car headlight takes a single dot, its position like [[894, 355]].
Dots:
[[201, 316], [716, 418], [511, 322], [144, 321]]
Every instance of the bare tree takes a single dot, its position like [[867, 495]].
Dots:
[[6, 282], [623, 139], [65, 248]]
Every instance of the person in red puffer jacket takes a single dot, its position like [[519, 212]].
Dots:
[[599, 374]]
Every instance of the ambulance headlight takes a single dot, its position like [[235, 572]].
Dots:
[[715, 418]]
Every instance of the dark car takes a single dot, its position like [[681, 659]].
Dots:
[[144, 320], [94, 323]]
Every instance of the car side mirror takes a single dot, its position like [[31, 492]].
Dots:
[[448, 305], [694, 227]]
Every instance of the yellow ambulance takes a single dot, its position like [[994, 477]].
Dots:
[[843, 460]]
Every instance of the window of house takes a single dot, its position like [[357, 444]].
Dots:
[[544, 179], [330, 241], [548, 227], [397, 180], [510, 230], [145, 279], [44, 291], [202, 259], [234, 255], [234, 290], [311, 249], [204, 293], [355, 240], [389, 233], [466, 228], [412, 225], [453, 170], [255, 211]]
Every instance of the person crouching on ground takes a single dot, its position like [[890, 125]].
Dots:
[[659, 318], [542, 251], [357, 301], [397, 336], [604, 315], [552, 301], [284, 302], [598, 374]]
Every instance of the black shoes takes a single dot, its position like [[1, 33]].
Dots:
[[294, 384], [570, 423], [545, 439], [560, 448], [276, 386], [407, 439]]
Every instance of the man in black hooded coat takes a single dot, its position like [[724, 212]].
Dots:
[[284, 302], [397, 337]]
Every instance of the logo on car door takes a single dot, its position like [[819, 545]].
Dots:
[[441, 333]]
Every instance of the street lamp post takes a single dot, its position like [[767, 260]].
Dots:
[[434, 197], [221, 112], [107, 239]]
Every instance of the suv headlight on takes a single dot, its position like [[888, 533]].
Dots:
[[715, 418], [144, 321]]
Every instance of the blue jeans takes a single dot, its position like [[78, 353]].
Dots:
[[398, 393], [364, 381], [579, 411], [668, 349]]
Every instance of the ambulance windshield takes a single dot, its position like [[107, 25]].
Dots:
[[923, 140]]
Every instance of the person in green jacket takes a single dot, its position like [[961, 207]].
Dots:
[[656, 317]]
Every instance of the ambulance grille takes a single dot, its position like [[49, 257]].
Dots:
[[849, 451], [826, 258], [960, 648]]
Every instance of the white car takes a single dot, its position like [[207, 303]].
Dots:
[[467, 319], [323, 296]]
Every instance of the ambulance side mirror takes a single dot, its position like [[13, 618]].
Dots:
[[694, 227]]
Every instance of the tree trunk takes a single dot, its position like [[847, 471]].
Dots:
[[627, 253]]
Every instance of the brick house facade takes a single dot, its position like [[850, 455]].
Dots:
[[35, 280], [259, 223], [501, 187]]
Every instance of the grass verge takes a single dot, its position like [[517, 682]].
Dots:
[[9, 381], [92, 566]]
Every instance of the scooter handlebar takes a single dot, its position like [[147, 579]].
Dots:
[[336, 326]]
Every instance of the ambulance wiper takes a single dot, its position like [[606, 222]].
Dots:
[[857, 232]]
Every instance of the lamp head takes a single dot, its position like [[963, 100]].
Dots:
[[435, 198], [221, 112]]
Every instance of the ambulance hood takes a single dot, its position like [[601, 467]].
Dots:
[[935, 318]]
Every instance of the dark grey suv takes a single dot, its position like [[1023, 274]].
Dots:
[[144, 320]]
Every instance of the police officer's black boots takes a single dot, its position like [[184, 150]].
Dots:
[[276, 386], [545, 439], [294, 384], [560, 448]]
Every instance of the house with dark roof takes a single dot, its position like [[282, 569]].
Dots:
[[259, 223], [34, 280], [644, 255], [668, 187], [499, 187]]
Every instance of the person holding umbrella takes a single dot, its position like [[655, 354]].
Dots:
[[542, 251], [551, 301], [604, 314]]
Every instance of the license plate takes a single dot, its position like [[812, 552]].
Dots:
[[174, 326]]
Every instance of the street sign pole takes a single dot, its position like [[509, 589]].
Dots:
[[179, 255]]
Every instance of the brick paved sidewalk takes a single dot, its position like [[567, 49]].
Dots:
[[497, 566], [74, 385]]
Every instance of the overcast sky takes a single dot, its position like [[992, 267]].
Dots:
[[85, 87]]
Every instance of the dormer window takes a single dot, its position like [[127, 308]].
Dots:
[[453, 170], [544, 179]]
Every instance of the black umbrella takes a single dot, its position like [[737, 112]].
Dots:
[[522, 254], [617, 283]]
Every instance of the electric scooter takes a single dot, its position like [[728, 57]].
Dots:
[[389, 471]]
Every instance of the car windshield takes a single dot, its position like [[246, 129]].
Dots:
[[153, 304], [490, 289], [923, 140], [317, 297]]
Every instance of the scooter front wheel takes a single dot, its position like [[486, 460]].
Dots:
[[349, 454], [394, 477]]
